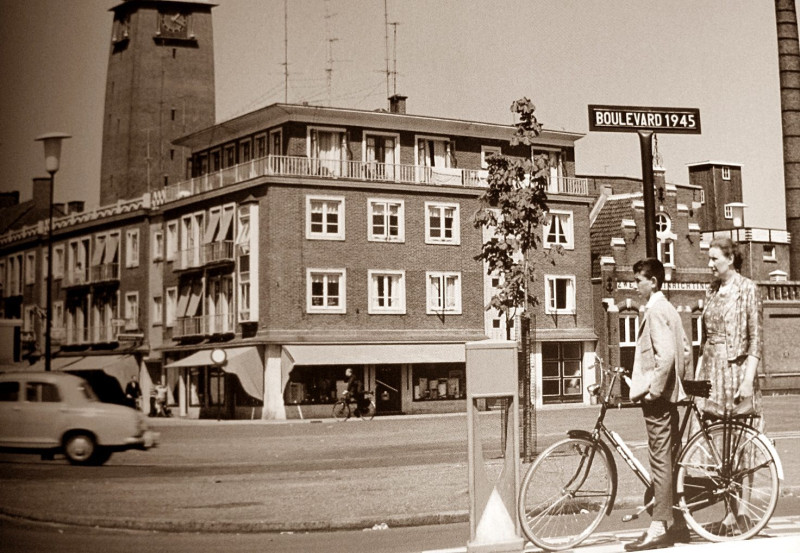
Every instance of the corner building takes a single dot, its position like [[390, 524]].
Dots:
[[308, 240]]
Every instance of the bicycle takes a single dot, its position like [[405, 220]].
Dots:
[[725, 466], [343, 411]]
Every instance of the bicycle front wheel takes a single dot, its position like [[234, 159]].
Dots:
[[727, 484], [341, 411], [565, 494]]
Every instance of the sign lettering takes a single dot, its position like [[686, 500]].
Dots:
[[633, 118]]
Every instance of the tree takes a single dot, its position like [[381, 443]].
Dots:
[[512, 208]]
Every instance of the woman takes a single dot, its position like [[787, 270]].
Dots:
[[732, 332], [731, 353]]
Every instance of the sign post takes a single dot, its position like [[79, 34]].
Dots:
[[645, 121]]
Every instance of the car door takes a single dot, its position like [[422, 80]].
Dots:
[[10, 413], [41, 414]]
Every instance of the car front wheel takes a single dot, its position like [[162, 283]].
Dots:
[[80, 448]]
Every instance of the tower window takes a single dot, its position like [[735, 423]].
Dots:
[[726, 173], [166, 180], [172, 153], [172, 114], [174, 53]]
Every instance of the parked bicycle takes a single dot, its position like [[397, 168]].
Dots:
[[727, 466], [344, 408]]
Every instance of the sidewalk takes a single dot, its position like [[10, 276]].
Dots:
[[232, 493]]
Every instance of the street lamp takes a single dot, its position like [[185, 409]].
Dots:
[[52, 157]]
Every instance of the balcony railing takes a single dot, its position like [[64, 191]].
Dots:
[[107, 272], [218, 252], [76, 277], [780, 291], [190, 258], [89, 335], [204, 325], [295, 166]]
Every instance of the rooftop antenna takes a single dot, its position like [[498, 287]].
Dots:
[[386, 40], [285, 52], [331, 40], [394, 70]]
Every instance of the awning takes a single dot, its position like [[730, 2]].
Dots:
[[227, 218], [244, 362], [99, 250], [121, 367], [111, 249], [374, 354], [564, 335], [211, 229]]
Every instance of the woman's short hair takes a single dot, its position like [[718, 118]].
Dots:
[[729, 249]]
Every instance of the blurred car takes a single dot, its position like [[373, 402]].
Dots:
[[53, 412]]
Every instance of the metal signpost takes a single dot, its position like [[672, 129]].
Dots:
[[645, 121], [493, 522]]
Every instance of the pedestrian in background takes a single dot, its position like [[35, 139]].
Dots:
[[133, 392], [659, 364]]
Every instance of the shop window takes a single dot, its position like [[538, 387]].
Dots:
[[386, 222], [206, 387], [442, 223], [562, 371], [438, 381], [324, 218], [322, 384]]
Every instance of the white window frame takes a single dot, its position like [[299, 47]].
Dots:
[[624, 339], [342, 307], [728, 211], [131, 319], [665, 252], [401, 226], [59, 256], [324, 235], [436, 303], [157, 316], [131, 255], [30, 267], [551, 299], [170, 306], [158, 245], [773, 256], [171, 240], [271, 141], [448, 150], [394, 136], [441, 206], [487, 152], [667, 222], [566, 219], [398, 279], [726, 173]]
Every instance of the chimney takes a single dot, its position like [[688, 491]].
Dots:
[[59, 209], [74, 206], [397, 104], [41, 192]]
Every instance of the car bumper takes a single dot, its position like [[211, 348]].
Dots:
[[147, 440]]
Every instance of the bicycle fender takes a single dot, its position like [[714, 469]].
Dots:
[[774, 452], [585, 434]]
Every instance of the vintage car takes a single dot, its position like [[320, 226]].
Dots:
[[53, 412]]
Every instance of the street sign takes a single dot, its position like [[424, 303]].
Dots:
[[635, 118]]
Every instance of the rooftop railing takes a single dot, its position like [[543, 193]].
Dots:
[[300, 166]]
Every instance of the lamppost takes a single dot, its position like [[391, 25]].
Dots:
[[52, 157]]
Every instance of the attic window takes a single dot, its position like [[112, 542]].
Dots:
[[726, 173]]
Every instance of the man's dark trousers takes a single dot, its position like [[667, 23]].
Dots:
[[661, 421]]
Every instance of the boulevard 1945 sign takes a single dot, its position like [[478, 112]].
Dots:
[[632, 118]]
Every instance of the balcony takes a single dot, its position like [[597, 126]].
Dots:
[[107, 272], [780, 291], [215, 253], [203, 325], [296, 166], [190, 258], [75, 277], [90, 335]]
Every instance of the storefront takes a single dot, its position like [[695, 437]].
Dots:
[[232, 390], [405, 378]]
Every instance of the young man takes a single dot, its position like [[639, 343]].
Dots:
[[658, 367]]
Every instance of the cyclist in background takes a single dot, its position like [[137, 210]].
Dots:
[[354, 390]]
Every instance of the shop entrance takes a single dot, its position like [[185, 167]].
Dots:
[[387, 389]]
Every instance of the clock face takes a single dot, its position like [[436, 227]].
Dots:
[[174, 22]]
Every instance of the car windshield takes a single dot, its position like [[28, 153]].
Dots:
[[87, 391]]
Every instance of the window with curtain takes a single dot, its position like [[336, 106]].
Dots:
[[444, 292]]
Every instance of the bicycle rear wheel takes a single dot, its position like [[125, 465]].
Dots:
[[368, 413], [341, 410], [727, 497], [565, 494]]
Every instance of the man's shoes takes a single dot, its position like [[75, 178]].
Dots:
[[654, 542], [680, 533]]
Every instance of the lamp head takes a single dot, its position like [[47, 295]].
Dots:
[[52, 149]]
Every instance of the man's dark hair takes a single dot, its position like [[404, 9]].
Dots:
[[650, 267]]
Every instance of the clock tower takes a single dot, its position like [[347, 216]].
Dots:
[[160, 86]]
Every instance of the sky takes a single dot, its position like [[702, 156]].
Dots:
[[463, 59]]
